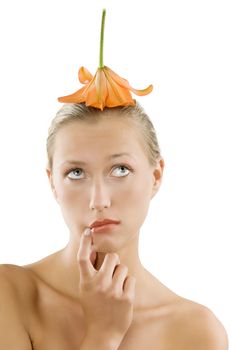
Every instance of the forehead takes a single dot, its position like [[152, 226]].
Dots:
[[108, 136]]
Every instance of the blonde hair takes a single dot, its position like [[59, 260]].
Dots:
[[71, 112]]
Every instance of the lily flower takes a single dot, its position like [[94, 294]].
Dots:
[[105, 88]]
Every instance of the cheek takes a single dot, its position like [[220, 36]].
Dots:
[[137, 191], [70, 205], [67, 193], [69, 198], [135, 200]]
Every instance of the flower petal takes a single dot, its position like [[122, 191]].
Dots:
[[77, 97], [101, 86], [117, 95], [96, 96], [113, 100], [142, 92], [123, 82], [120, 81], [91, 96], [84, 75]]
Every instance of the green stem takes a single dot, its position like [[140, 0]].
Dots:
[[101, 65]]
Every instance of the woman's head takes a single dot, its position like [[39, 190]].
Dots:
[[104, 185]]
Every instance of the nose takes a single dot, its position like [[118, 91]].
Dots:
[[100, 197]]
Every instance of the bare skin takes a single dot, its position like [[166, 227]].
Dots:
[[44, 306]]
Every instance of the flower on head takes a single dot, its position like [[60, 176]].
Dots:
[[105, 88]]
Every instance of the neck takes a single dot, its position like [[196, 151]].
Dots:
[[128, 255]]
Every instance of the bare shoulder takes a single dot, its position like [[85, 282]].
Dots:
[[18, 285], [18, 280], [12, 309], [194, 326]]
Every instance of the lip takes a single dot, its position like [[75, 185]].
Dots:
[[104, 228], [103, 223]]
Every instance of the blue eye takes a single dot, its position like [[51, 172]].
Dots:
[[74, 171], [121, 167], [78, 170]]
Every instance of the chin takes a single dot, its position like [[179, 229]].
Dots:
[[104, 245]]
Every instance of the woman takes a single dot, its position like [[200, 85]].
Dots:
[[95, 293]]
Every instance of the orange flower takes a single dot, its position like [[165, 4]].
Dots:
[[106, 88]]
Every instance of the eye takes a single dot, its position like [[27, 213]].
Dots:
[[122, 167], [78, 171]]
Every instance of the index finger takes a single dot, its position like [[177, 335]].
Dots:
[[83, 256]]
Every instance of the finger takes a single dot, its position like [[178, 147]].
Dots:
[[83, 257], [108, 266], [129, 287], [119, 277]]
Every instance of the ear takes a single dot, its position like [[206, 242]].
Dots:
[[50, 178], [157, 176]]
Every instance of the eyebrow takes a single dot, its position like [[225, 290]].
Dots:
[[112, 156]]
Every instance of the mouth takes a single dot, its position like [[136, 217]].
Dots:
[[107, 228], [103, 223]]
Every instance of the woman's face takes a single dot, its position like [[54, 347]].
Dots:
[[91, 170]]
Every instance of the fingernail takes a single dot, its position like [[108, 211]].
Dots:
[[87, 231]]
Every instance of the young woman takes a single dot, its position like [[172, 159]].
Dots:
[[104, 168]]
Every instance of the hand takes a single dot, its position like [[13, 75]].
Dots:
[[106, 295]]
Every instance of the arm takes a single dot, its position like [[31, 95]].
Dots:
[[13, 335]]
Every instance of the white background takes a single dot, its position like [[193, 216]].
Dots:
[[184, 49]]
